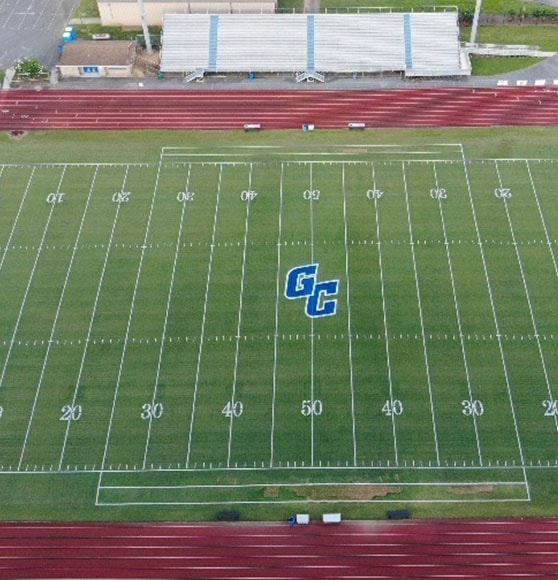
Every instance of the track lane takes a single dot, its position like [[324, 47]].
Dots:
[[456, 107], [413, 549]]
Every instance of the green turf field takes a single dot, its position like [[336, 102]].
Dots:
[[349, 325]]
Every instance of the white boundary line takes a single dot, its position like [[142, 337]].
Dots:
[[56, 316], [458, 315], [204, 317], [349, 319], [165, 323], [496, 323], [92, 317], [128, 325], [239, 320]]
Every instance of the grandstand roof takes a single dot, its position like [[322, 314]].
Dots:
[[418, 44]]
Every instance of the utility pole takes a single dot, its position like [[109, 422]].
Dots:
[[145, 28], [475, 26]]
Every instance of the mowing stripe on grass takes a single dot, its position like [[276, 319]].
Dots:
[[166, 320], [128, 325], [92, 318], [204, 317], [496, 325], [527, 295], [29, 282], [278, 293], [312, 321], [349, 320], [384, 310], [457, 313], [16, 221], [56, 317], [239, 319]]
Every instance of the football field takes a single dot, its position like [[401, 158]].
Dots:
[[347, 325]]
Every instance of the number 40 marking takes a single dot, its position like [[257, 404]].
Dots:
[[233, 409]]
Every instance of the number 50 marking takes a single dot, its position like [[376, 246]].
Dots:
[[312, 408]]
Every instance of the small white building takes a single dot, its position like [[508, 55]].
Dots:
[[127, 12], [94, 58]]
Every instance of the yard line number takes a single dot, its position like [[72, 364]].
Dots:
[[151, 411], [392, 408], [71, 412], [184, 196], [121, 197], [233, 409], [248, 195], [312, 408], [550, 408], [472, 408], [54, 198], [311, 194]]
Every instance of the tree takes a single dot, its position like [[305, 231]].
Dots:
[[30, 68]]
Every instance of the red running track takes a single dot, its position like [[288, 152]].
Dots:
[[460, 549], [190, 109]]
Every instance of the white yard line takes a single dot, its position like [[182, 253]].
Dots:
[[239, 320], [56, 317], [16, 221], [421, 320], [349, 319], [165, 323], [384, 313], [311, 322], [419, 297], [278, 293], [29, 282], [527, 294], [496, 325], [92, 319], [549, 242], [458, 315], [128, 326], [204, 317]]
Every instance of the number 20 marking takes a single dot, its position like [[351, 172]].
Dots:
[[71, 413]]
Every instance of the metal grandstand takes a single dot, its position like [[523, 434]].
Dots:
[[417, 44]]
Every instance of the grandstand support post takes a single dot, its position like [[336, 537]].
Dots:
[[475, 25], [145, 28]]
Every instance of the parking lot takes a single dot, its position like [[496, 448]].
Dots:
[[32, 28]]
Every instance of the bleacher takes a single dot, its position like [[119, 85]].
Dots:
[[434, 45], [416, 44]]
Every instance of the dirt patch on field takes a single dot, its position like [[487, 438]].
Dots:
[[272, 492], [470, 489], [17, 135], [344, 492]]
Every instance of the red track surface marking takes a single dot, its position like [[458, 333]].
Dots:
[[442, 107], [461, 549]]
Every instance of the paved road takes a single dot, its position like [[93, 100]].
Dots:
[[32, 28]]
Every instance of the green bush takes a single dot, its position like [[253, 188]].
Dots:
[[30, 68]]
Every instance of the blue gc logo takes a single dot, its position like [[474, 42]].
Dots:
[[302, 283]]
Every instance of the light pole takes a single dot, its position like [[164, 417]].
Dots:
[[145, 28], [476, 17]]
